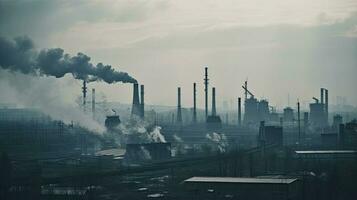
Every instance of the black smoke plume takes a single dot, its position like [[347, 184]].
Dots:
[[20, 55]]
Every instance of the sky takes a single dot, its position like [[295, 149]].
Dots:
[[284, 48]]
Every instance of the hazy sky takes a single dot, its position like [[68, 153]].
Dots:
[[282, 46]]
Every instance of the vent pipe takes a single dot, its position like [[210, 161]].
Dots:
[[214, 101]]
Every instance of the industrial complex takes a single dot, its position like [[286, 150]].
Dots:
[[181, 153]]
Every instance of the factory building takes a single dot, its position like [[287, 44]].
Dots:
[[244, 188], [270, 134], [319, 110], [147, 152], [348, 134], [288, 115]]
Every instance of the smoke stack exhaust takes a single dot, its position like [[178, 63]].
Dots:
[[135, 110], [194, 104], [214, 101], [142, 103], [179, 114], [239, 112], [206, 91]]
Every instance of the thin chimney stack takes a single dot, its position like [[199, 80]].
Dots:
[[179, 114], [142, 105], [206, 91], [214, 101], [194, 104]]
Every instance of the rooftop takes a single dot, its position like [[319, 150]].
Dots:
[[327, 152], [240, 180]]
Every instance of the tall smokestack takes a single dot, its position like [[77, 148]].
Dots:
[[239, 111], [84, 91], [135, 110], [298, 108], [206, 91], [322, 95], [142, 105], [93, 103], [306, 121], [214, 101], [326, 105], [194, 104], [179, 114]]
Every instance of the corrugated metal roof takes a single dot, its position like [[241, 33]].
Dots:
[[327, 152], [240, 180]]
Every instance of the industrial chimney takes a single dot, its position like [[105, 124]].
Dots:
[[142, 105], [84, 91], [135, 110], [326, 105], [179, 114], [93, 103], [214, 101], [206, 91], [239, 112], [322, 95], [194, 104]]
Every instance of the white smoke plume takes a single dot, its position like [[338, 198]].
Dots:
[[139, 131], [48, 95], [218, 139]]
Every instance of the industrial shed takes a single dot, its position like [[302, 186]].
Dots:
[[244, 188]]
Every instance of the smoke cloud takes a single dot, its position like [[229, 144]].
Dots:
[[20, 55], [47, 95]]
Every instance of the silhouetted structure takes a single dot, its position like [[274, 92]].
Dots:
[[319, 110], [206, 91], [194, 118], [84, 91], [239, 112], [214, 121], [288, 114], [179, 111], [142, 105], [136, 107]]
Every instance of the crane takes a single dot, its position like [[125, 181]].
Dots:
[[246, 91]]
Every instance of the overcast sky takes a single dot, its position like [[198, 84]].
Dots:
[[282, 46]]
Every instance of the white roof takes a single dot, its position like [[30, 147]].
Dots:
[[326, 152], [240, 180]]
